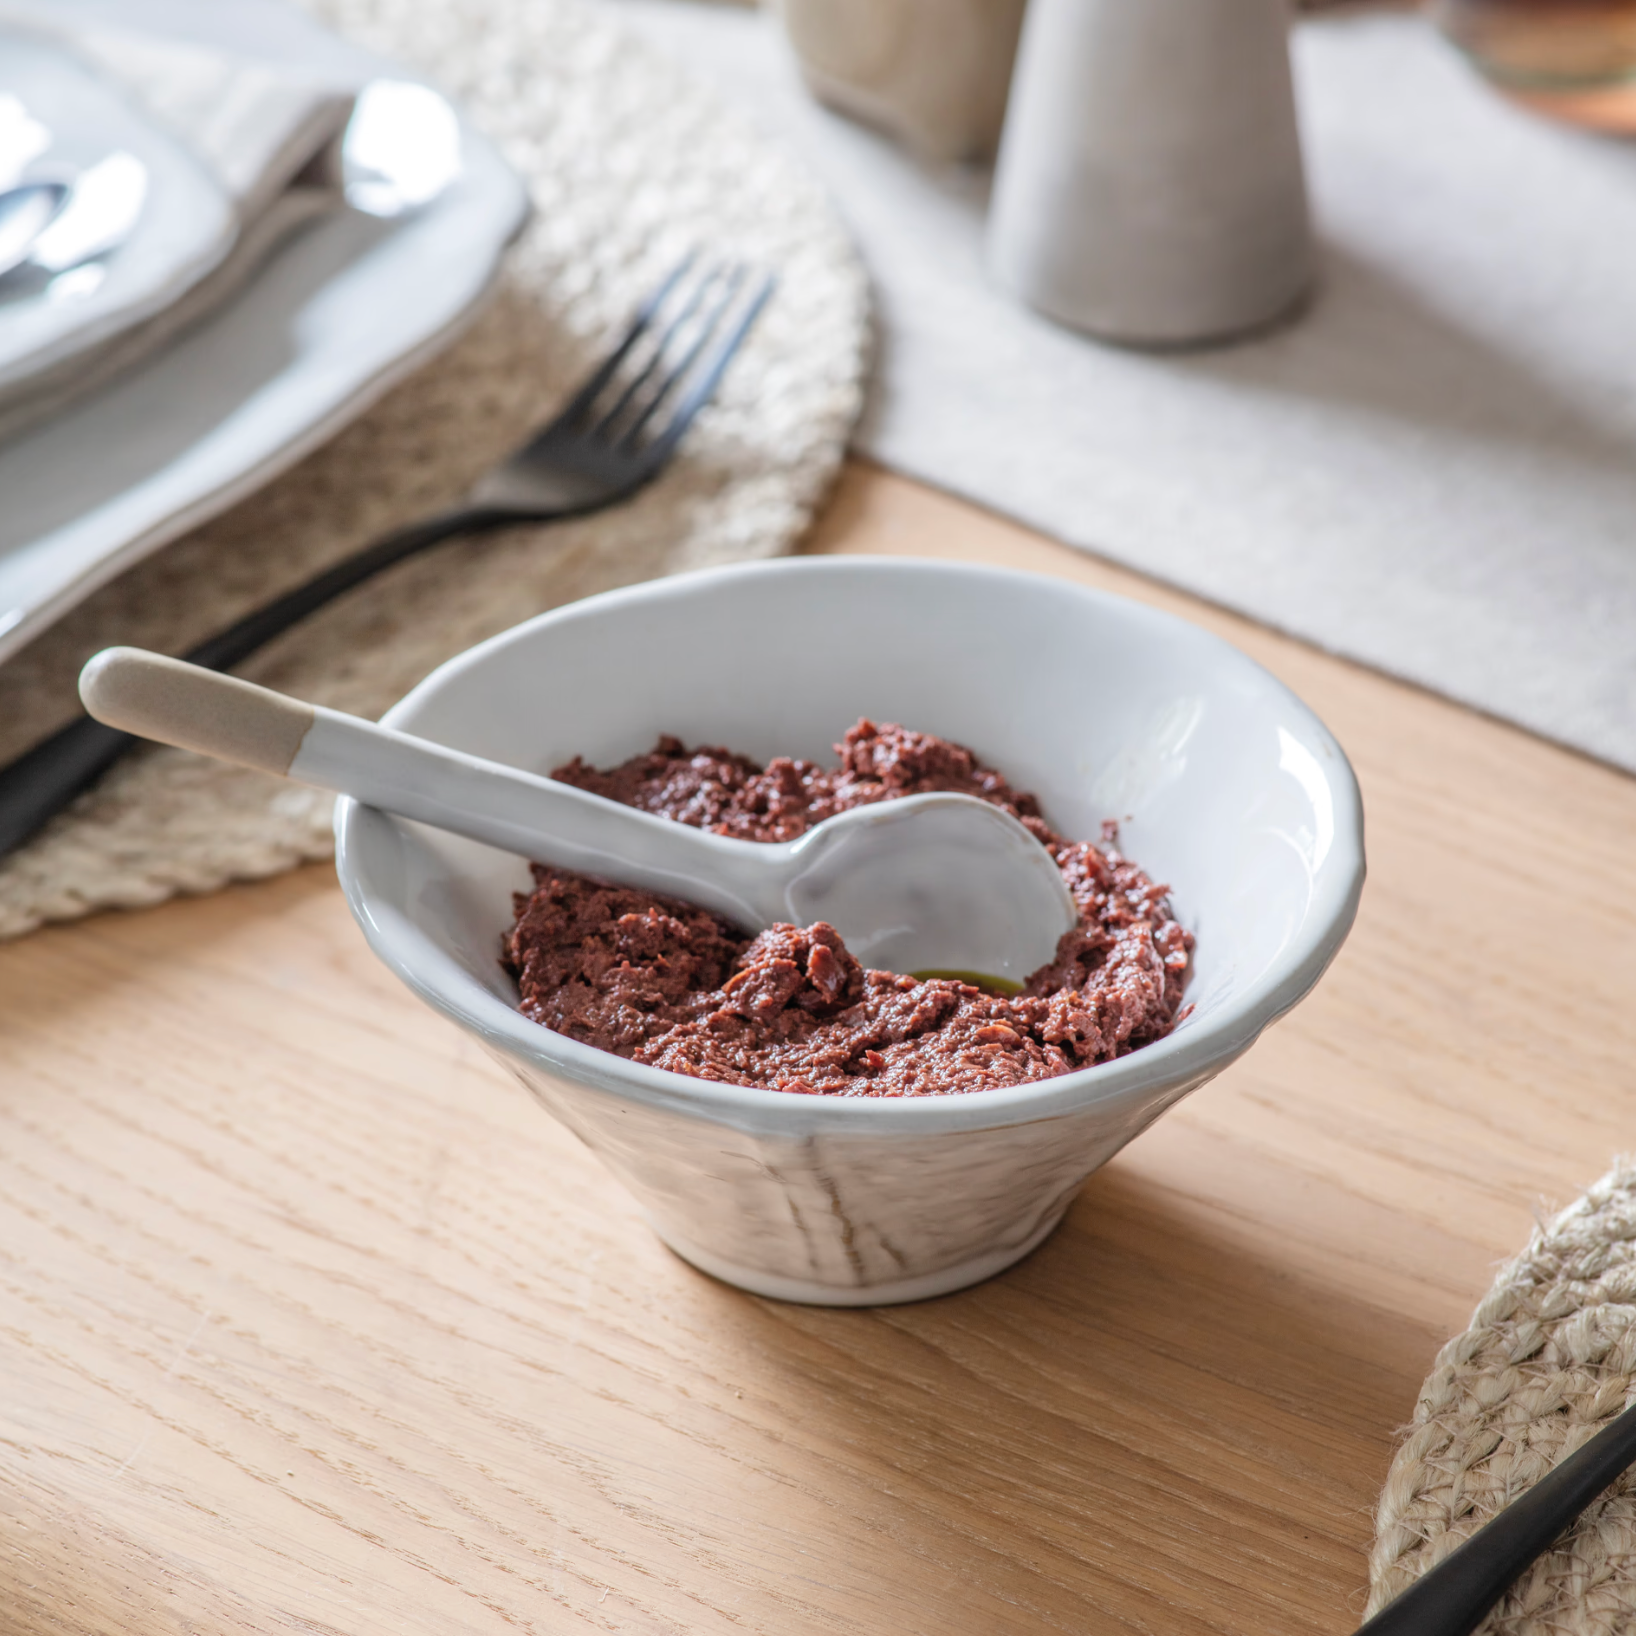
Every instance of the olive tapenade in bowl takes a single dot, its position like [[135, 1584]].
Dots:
[[790, 1121], [662, 980]]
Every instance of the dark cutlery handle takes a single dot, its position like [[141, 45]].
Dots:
[[42, 781], [255, 630], [1452, 1598]]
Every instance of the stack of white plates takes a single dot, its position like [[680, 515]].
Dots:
[[339, 310]]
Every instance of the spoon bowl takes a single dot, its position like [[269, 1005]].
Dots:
[[26, 211], [945, 882], [930, 883]]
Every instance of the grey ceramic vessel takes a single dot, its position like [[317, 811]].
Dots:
[[1149, 188]]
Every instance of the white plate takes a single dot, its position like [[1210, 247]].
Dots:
[[338, 315]]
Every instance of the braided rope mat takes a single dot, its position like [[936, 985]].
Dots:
[[629, 164], [1549, 1357]]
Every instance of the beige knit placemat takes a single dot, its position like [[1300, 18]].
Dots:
[[1548, 1359], [629, 163]]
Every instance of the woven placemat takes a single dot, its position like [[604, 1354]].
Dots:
[[630, 163], [1548, 1359]]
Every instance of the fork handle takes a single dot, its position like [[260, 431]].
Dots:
[[229, 647], [42, 781]]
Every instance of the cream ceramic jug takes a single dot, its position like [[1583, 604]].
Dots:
[[932, 73]]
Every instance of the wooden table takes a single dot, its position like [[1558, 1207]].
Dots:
[[312, 1322]]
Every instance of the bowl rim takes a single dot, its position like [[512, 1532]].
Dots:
[[1182, 1059]]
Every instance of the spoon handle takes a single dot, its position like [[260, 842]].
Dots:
[[234, 720], [196, 709], [1453, 1597]]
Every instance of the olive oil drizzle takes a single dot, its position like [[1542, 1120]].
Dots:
[[978, 979]]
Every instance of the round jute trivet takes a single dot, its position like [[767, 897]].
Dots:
[[630, 164], [1548, 1359]]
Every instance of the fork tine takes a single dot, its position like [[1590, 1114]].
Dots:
[[605, 425], [587, 395], [705, 383], [707, 328]]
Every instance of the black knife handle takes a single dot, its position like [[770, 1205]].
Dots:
[[1453, 1597], [42, 781]]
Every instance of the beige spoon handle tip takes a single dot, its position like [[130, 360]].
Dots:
[[176, 703]]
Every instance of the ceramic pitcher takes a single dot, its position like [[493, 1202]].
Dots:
[[932, 73], [1149, 186]]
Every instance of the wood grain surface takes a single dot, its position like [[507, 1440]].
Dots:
[[312, 1322]]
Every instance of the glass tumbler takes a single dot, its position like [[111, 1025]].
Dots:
[[1573, 59]]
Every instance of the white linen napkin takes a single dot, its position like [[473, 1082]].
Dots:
[[267, 135], [258, 127]]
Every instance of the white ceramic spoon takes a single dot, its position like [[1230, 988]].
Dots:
[[26, 211], [923, 883]]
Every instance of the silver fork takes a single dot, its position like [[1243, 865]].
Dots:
[[616, 434]]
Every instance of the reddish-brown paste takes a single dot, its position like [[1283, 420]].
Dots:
[[663, 982]]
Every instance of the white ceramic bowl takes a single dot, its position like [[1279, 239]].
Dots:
[[1224, 784]]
